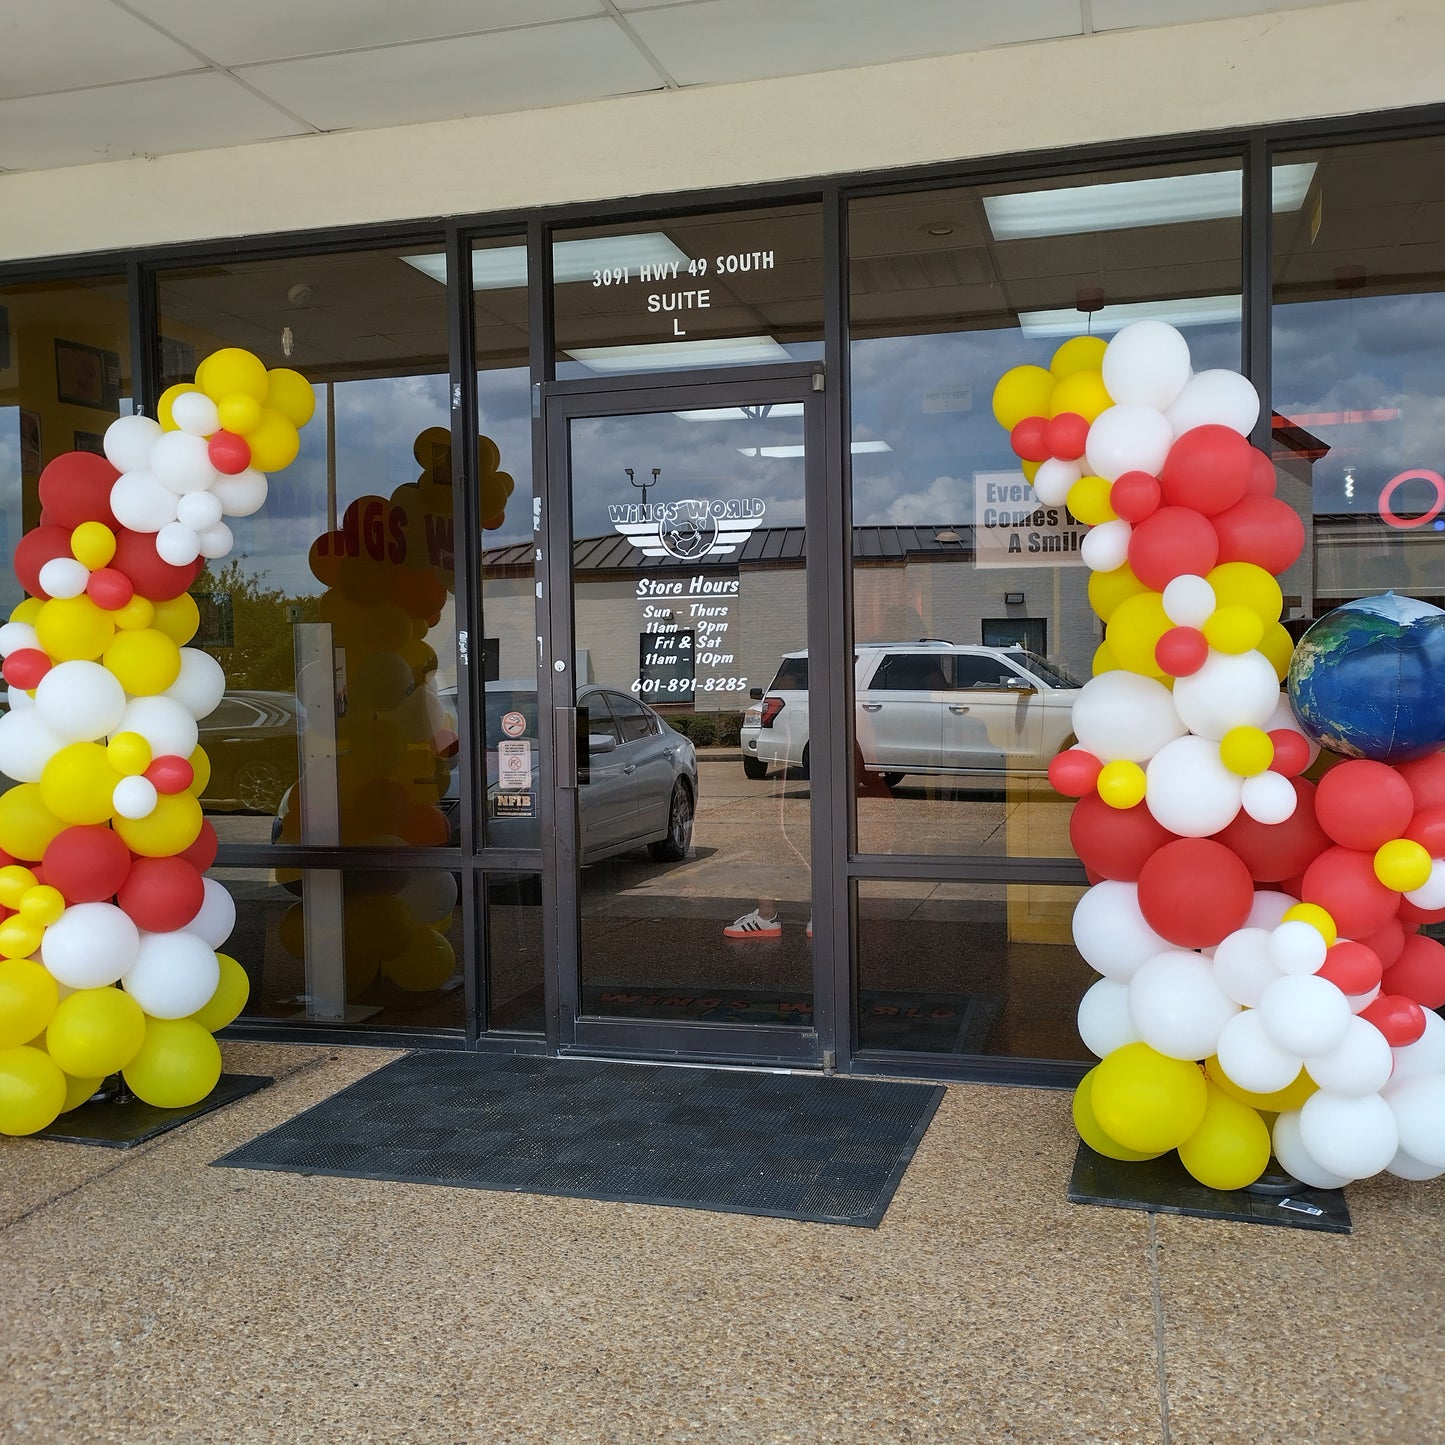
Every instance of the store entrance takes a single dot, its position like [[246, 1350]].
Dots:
[[678, 576]]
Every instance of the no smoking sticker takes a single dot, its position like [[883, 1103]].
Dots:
[[514, 724]]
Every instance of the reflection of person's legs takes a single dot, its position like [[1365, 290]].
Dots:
[[762, 922]]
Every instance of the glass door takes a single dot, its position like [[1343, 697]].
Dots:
[[680, 646]]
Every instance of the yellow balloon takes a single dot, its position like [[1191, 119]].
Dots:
[[1079, 353], [27, 826], [1133, 632], [79, 1091], [1108, 589], [78, 783], [74, 629], [27, 610], [1231, 1146], [178, 1064], [1402, 864], [42, 905], [28, 997], [129, 753], [92, 543], [167, 401], [1091, 1131], [15, 882], [1292, 1096], [289, 393], [1243, 584], [240, 412], [1233, 629], [32, 1091], [229, 998], [1089, 501], [274, 442], [1317, 918], [1278, 646], [1104, 661], [19, 938], [232, 369], [144, 661], [201, 772], [95, 1031], [1082, 392], [1030, 470], [427, 962], [1121, 784], [1246, 751], [178, 617], [1022, 391], [138, 612], [171, 828], [1147, 1101]]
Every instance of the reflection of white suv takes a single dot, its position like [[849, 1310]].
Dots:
[[924, 707]]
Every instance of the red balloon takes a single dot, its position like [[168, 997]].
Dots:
[[1194, 892], [1135, 495], [1419, 972], [1261, 475], [1115, 842], [1387, 941], [1351, 967], [1262, 530], [152, 577], [1274, 852], [87, 863], [229, 453], [1181, 651], [1027, 439], [1343, 883], [1426, 779], [25, 667], [34, 550], [1412, 914], [202, 853], [1401, 1020], [109, 589], [1427, 828], [1170, 543], [75, 488], [1291, 752], [161, 894], [1066, 435], [171, 774], [1207, 469], [1361, 804], [1074, 772]]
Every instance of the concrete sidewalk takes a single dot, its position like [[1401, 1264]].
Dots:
[[150, 1297]]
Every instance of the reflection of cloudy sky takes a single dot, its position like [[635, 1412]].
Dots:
[[10, 522]]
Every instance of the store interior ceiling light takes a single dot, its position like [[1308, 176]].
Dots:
[[497, 268], [797, 451], [679, 355], [1188, 311], [1123, 205]]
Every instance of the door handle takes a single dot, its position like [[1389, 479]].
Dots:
[[568, 771], [957, 707], [872, 707], [629, 767]]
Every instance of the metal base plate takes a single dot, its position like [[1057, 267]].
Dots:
[[118, 1123]]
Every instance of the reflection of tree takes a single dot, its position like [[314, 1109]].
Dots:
[[260, 657]]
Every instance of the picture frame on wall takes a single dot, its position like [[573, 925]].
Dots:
[[178, 361], [87, 376], [90, 441], [30, 452]]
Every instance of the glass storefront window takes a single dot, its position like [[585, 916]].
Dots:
[[515, 988]]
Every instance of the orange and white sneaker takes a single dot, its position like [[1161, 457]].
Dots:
[[810, 925], [754, 925]]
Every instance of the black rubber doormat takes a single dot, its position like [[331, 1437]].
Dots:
[[794, 1146]]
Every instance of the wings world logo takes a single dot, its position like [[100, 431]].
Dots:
[[688, 530]]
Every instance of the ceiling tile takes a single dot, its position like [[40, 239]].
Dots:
[[145, 117], [726, 40], [1123, 14], [281, 29], [69, 44], [481, 75]]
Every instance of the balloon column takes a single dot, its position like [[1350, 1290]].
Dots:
[[104, 844], [1265, 984]]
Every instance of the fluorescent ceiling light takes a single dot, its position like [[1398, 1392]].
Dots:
[[762, 412], [798, 450], [1190, 311], [1121, 205], [679, 355], [498, 267]]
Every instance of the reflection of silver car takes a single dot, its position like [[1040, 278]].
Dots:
[[250, 739], [924, 707], [636, 786]]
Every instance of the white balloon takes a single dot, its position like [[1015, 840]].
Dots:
[[1359, 1002], [1188, 790], [1431, 893], [163, 722], [90, 945], [1177, 1006], [201, 684], [1128, 439], [1110, 932], [1355, 1136], [182, 463], [1297, 947], [80, 701], [1418, 1105], [1232, 689], [141, 503], [1305, 1015], [431, 894], [1106, 546], [173, 975], [1053, 479], [64, 577], [134, 797], [16, 637], [26, 745], [215, 541], [18, 699], [199, 510], [1123, 716], [195, 412], [1269, 908], [177, 544], [1359, 1064], [1296, 1160], [1268, 798], [1243, 967], [1426, 1055], [1251, 1059], [1147, 363], [1406, 1166], [128, 442], [1104, 1020], [1215, 398], [245, 493], [217, 917], [1189, 601]]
